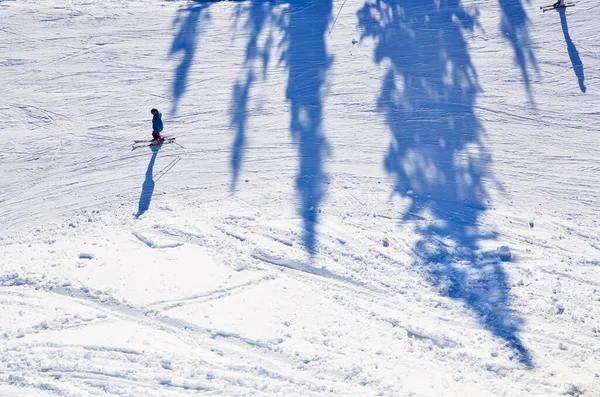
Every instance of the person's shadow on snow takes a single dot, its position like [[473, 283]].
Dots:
[[148, 186], [573, 53]]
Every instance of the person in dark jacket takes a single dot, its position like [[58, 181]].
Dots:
[[157, 125]]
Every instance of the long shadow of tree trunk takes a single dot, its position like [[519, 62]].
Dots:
[[437, 156]]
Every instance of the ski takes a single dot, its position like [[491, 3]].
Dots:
[[557, 8], [149, 140], [139, 144], [548, 8]]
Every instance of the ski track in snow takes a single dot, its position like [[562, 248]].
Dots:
[[403, 204]]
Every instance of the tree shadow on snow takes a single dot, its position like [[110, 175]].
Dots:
[[514, 27], [307, 62], [148, 185], [437, 156], [573, 53], [185, 43], [304, 24], [260, 15]]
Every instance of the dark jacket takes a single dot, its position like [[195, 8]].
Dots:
[[157, 124]]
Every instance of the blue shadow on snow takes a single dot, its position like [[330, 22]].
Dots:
[[304, 24], [437, 156], [514, 27], [185, 42], [148, 186], [259, 16], [239, 116], [573, 53], [307, 62]]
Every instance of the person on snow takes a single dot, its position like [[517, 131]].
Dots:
[[157, 126], [559, 4]]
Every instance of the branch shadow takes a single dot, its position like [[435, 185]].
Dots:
[[304, 24], [148, 185], [239, 116], [185, 43], [260, 14], [573, 53], [437, 156], [514, 26]]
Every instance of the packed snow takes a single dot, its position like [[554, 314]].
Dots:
[[364, 198]]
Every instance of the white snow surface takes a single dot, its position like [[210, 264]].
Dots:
[[380, 197]]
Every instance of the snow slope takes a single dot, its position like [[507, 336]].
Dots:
[[384, 197]]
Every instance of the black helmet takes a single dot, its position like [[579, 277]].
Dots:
[[153, 111]]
